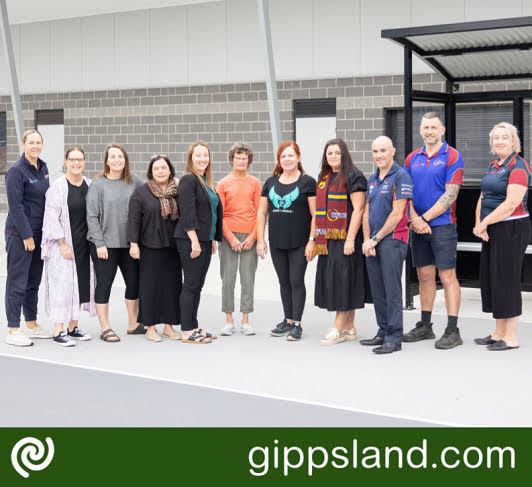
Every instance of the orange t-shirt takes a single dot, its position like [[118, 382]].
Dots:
[[240, 200]]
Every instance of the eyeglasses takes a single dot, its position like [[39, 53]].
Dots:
[[157, 156], [75, 160]]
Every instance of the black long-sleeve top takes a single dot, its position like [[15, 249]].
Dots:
[[195, 211], [146, 225], [25, 188]]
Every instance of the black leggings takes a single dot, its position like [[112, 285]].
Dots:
[[105, 271], [290, 266]]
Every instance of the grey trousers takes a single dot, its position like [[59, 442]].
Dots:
[[246, 263]]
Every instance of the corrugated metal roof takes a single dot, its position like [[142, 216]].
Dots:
[[472, 51]]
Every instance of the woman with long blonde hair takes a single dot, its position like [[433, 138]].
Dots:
[[197, 231]]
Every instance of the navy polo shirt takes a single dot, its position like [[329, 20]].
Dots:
[[514, 170], [397, 184], [25, 188], [430, 175]]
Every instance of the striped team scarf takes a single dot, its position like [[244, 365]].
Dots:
[[331, 214]]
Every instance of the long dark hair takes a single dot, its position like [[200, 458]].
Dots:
[[347, 163]]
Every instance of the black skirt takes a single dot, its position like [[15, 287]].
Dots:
[[341, 280], [160, 286]]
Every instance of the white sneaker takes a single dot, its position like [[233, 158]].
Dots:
[[247, 329], [36, 332], [18, 339], [227, 330]]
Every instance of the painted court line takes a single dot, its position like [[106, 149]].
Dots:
[[237, 391]]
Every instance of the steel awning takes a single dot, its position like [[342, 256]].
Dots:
[[472, 51]]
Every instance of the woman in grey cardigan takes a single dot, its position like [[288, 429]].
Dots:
[[107, 215]]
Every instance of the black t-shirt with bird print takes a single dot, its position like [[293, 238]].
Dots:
[[288, 211]]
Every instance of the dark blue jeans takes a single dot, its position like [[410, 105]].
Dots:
[[385, 272], [24, 273]]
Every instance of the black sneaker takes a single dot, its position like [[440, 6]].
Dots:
[[79, 334], [420, 332], [450, 339], [281, 329], [295, 333], [63, 340]]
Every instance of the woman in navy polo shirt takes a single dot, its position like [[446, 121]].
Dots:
[[26, 184], [503, 223]]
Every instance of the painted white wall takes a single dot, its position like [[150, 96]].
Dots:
[[52, 152], [311, 135], [219, 42]]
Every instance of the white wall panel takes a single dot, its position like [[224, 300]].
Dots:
[[131, 48], [492, 9], [244, 47], [98, 53], [207, 37], [35, 57], [337, 38], [292, 38], [382, 56], [65, 36], [220, 42], [425, 13], [168, 46]]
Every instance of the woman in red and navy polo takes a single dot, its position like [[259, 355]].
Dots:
[[503, 223]]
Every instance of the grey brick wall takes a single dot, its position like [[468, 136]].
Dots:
[[167, 120]]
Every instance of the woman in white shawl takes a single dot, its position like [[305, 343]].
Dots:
[[69, 276]]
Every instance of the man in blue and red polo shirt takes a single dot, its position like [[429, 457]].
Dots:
[[386, 243], [437, 171]]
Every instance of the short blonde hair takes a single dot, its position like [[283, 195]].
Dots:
[[29, 132], [511, 131]]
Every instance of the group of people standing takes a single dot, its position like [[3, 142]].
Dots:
[[163, 233]]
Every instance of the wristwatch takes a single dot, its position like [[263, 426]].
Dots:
[[375, 239], [311, 239]]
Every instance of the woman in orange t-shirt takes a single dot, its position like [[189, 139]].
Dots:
[[239, 193]]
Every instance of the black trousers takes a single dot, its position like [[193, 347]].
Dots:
[[24, 274], [290, 266], [105, 271], [501, 265], [194, 273]]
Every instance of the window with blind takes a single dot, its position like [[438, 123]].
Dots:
[[473, 125], [3, 143]]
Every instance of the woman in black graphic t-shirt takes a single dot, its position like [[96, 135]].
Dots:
[[289, 200]]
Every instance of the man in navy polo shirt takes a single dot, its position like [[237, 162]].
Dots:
[[386, 243], [437, 171]]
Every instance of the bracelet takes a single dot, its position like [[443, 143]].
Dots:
[[423, 218]]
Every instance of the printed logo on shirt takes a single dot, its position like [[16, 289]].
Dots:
[[33, 181], [46, 176], [283, 202], [437, 162]]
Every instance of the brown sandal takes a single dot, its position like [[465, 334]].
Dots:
[[109, 336]]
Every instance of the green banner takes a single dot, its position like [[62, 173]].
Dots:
[[264, 456]]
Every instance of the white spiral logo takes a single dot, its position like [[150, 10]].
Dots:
[[33, 451]]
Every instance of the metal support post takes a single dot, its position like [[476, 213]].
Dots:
[[519, 121], [409, 299], [269, 69], [12, 70]]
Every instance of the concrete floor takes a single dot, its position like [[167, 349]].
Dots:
[[250, 381]]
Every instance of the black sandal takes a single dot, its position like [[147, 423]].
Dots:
[[139, 330], [107, 336], [196, 338], [207, 335]]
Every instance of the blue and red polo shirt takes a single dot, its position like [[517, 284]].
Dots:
[[513, 170], [397, 184], [430, 175]]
